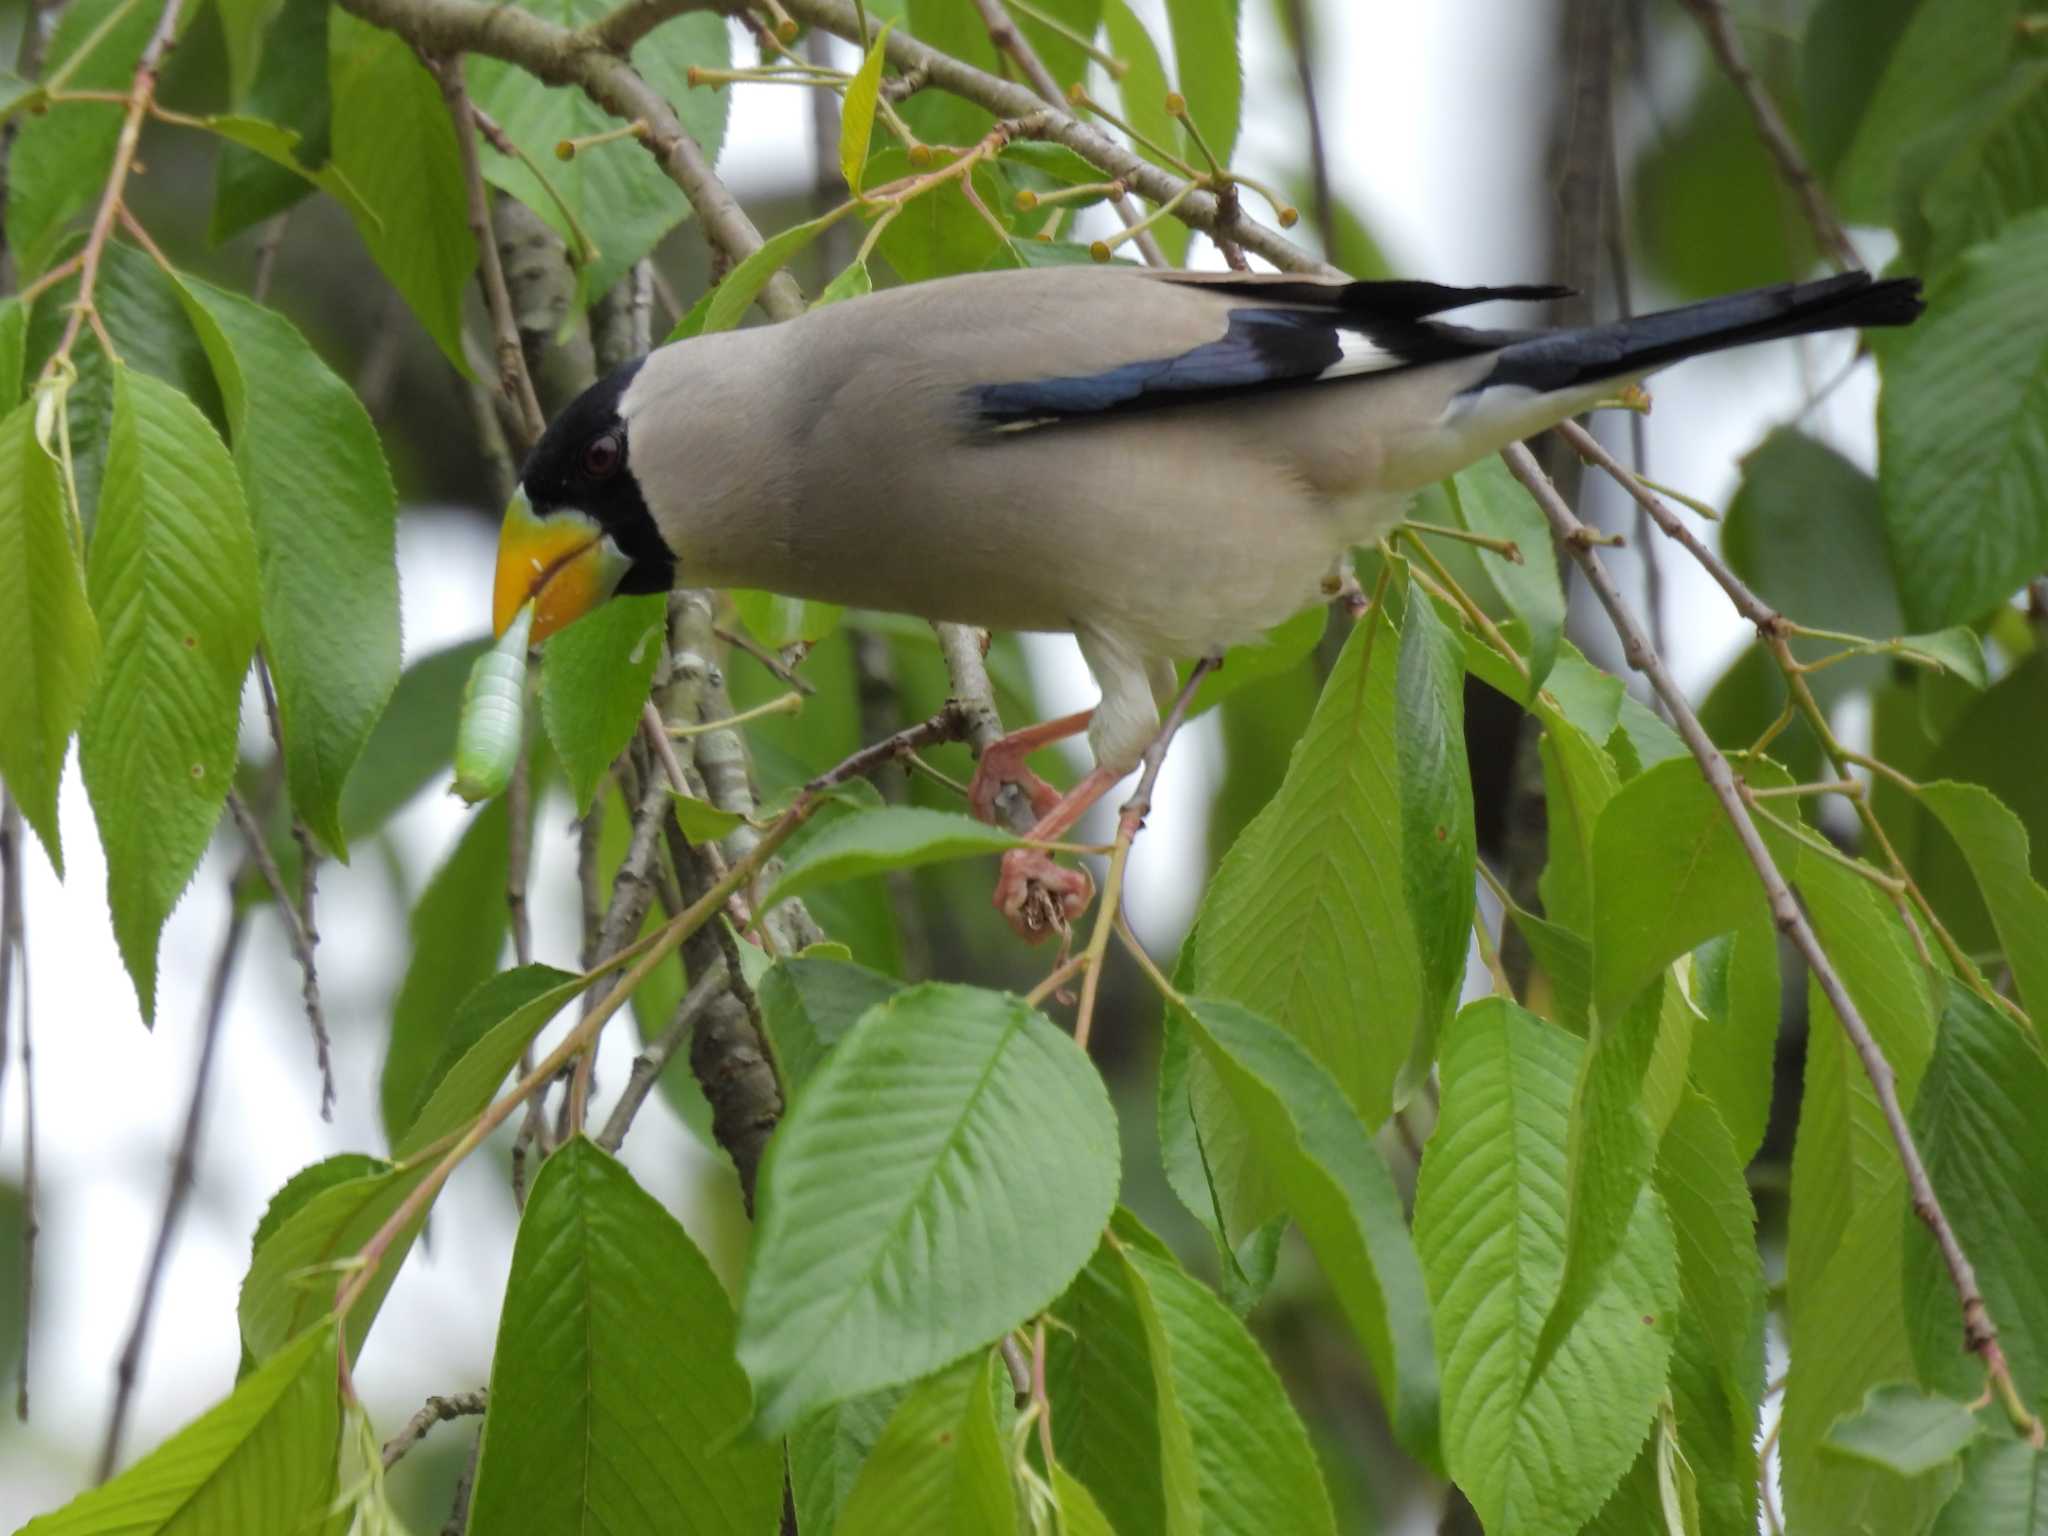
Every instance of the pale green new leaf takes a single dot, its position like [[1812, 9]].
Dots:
[[1489, 1222], [594, 678], [728, 302], [325, 516], [394, 141], [1994, 842], [172, 577], [1905, 1430], [940, 1179], [854, 280], [1963, 432], [613, 1387], [857, 111], [874, 842], [1250, 1454], [777, 621], [1332, 1178], [47, 630], [940, 1465], [1489, 500], [617, 191], [262, 1459]]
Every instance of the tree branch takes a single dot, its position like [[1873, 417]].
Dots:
[[297, 933], [1979, 1332], [438, 1410]]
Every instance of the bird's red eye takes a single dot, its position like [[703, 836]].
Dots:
[[602, 457]]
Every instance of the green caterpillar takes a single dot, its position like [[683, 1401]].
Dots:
[[488, 738]]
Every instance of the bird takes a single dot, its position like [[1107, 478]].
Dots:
[[1162, 464]]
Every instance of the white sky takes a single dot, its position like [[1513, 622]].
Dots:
[[1427, 107]]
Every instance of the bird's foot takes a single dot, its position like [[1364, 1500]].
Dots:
[[1038, 897], [999, 767]]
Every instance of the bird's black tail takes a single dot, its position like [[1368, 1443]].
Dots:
[[1559, 360]]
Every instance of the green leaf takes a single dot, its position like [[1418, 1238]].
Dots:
[[1079, 1514], [777, 621], [47, 631], [1211, 77], [608, 1293], [262, 1459], [1487, 499], [172, 577], [1669, 873], [853, 281], [1332, 1178], [1489, 1222], [1307, 918], [2004, 1492], [857, 112], [594, 679], [289, 91], [988, 1165], [739, 287], [1736, 988], [938, 233], [242, 25], [1904, 1430], [827, 1453], [1221, 1400], [13, 347], [412, 741], [59, 161], [1994, 842], [496, 1023], [940, 1466], [1993, 172], [394, 142], [617, 192], [325, 518], [1956, 651], [1579, 778], [1280, 649], [701, 821], [280, 146], [17, 94], [1142, 95], [300, 1263], [874, 842], [1879, 76], [457, 929], [1438, 839], [1961, 434], [1977, 1122], [808, 1003]]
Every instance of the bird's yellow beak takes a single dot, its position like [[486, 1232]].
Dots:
[[565, 562]]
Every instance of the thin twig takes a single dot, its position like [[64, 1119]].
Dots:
[[438, 1410], [13, 947], [10, 918], [651, 1062], [297, 934], [1300, 26], [266, 256], [1722, 37], [1020, 1372], [184, 1167], [519, 852], [1979, 1332]]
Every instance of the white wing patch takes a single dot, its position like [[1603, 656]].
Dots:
[[1358, 354]]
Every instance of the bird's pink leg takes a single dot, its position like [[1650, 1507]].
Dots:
[[1003, 763], [1037, 895]]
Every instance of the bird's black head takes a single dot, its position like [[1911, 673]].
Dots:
[[578, 529]]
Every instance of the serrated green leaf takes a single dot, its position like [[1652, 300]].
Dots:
[[59, 161], [1579, 778], [457, 928], [1220, 1397], [1962, 434], [1994, 843], [1905, 1430], [617, 192], [777, 621], [1075, 1507], [736, 291], [1993, 172], [474, 1055], [827, 1452], [412, 740], [874, 842], [940, 1465], [1976, 1120], [1735, 986], [393, 140], [1335, 1184], [325, 516], [289, 90], [1489, 1221], [295, 1193], [1205, 59], [13, 349], [47, 630], [1280, 649], [870, 1271], [262, 1459], [298, 1266], [808, 1003], [172, 578], [1487, 499], [1307, 918], [2004, 1492], [857, 111], [1878, 77], [594, 678], [608, 1292]]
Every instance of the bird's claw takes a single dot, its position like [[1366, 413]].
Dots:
[[997, 768], [1038, 897]]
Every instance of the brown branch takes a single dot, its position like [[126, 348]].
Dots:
[[438, 1410], [558, 56], [975, 698], [184, 1166], [652, 1061], [1793, 170], [297, 933], [1979, 1332]]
